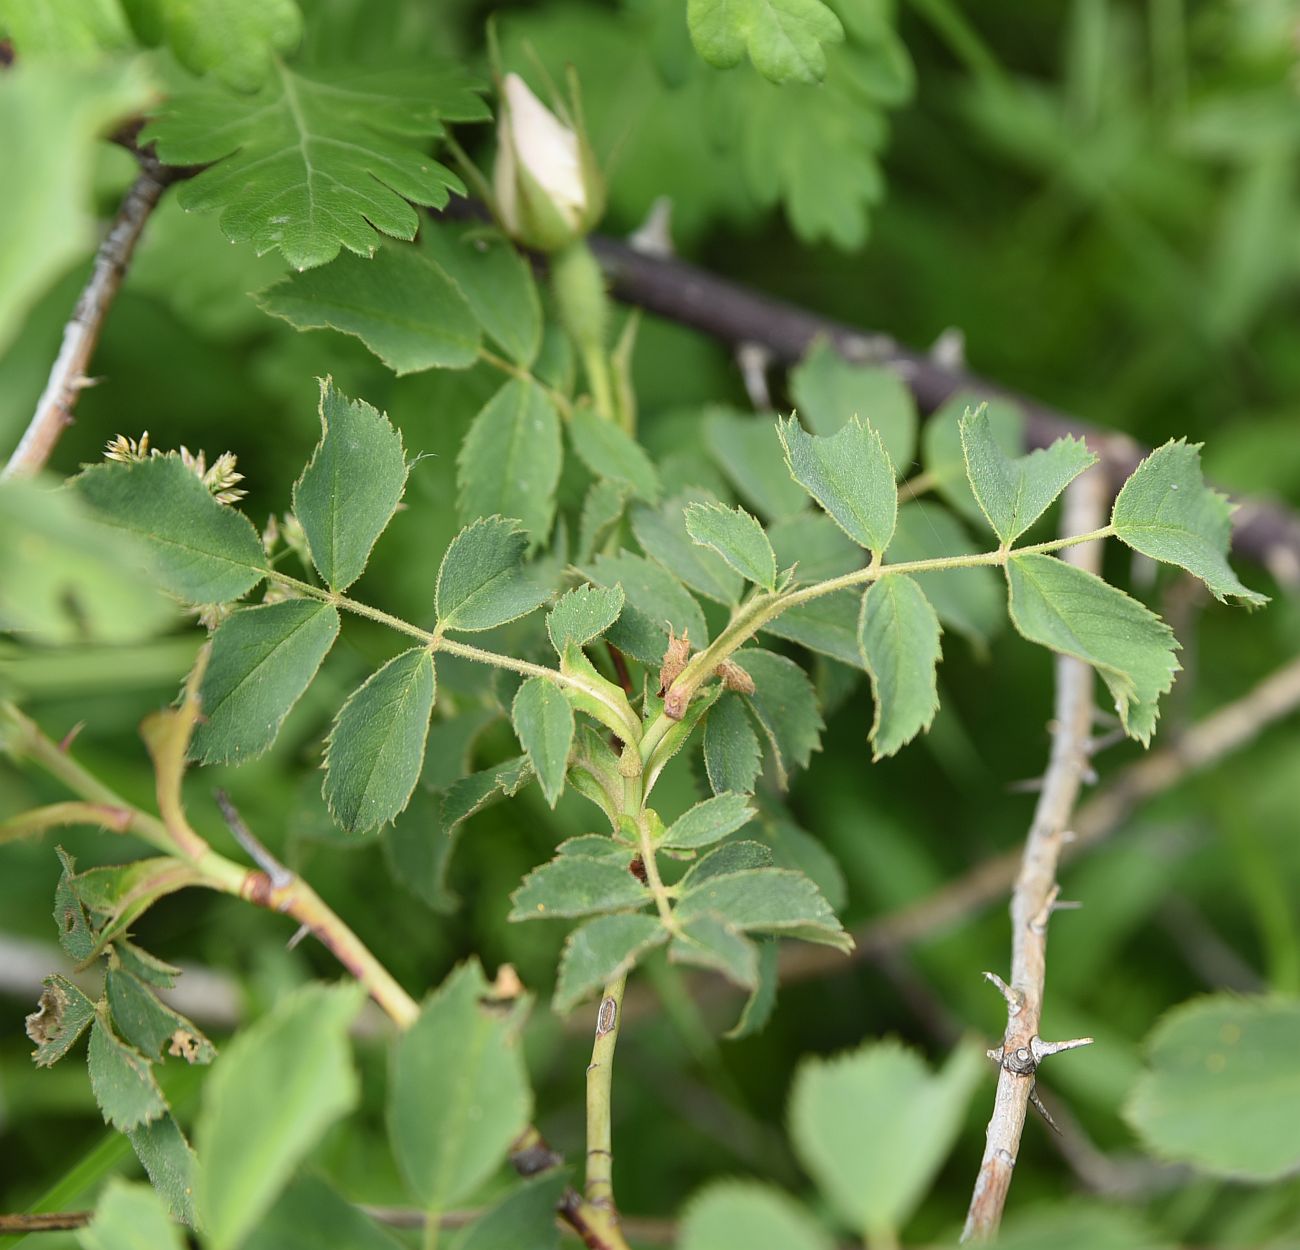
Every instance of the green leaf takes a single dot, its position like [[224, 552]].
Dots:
[[944, 457], [351, 486], [376, 748], [786, 706], [601, 509], [664, 538], [737, 537], [611, 453], [310, 1215], [151, 1027], [236, 41], [458, 1093], [784, 38], [70, 921], [582, 615], [262, 661], [967, 600], [543, 722], [745, 1215], [744, 449], [899, 635], [1220, 1086], [149, 968], [763, 900], [815, 546], [482, 581], [199, 550], [473, 793], [874, 1179], [828, 624], [850, 475], [169, 1163], [130, 1217], [739, 856], [1013, 494], [708, 822], [510, 461], [65, 577], [709, 942], [398, 302], [795, 848], [1079, 1224], [577, 885], [496, 281], [600, 950], [731, 754], [311, 166], [122, 1080], [1166, 511], [63, 1015], [656, 603], [761, 1002], [1075, 613], [418, 850], [827, 390], [117, 895], [279, 1085], [69, 29], [523, 1220], [52, 120]]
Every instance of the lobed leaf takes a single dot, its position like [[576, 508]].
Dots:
[[510, 461], [482, 581], [1076, 613], [850, 475], [783, 38], [600, 950], [737, 537], [582, 614], [169, 1162], [577, 885], [543, 722], [1166, 511], [1013, 494], [458, 1092], [262, 661], [376, 747], [351, 486], [898, 632], [198, 550]]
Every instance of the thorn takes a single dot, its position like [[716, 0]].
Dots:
[[753, 360], [301, 932], [654, 237], [1039, 923], [68, 738], [1015, 999], [948, 351], [1067, 904], [1042, 1050], [278, 874], [1028, 785], [1105, 741], [1038, 1105]]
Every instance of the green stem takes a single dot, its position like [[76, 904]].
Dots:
[[599, 1190], [55, 815], [508, 367]]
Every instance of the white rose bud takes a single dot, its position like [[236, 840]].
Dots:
[[547, 187]]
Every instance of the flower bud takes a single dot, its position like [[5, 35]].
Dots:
[[548, 189]]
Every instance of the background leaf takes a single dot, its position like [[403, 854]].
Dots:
[[783, 38], [582, 615], [612, 454], [130, 1217], [744, 1215]]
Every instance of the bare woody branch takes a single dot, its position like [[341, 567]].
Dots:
[[1034, 896], [68, 377]]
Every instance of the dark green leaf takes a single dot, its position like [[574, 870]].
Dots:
[[376, 748], [786, 706], [656, 603], [523, 1220], [765, 900], [850, 475], [543, 722], [351, 486], [747, 451], [418, 851], [74, 930], [458, 1095], [708, 822], [601, 510], [709, 942], [510, 461], [122, 1080], [899, 635], [482, 581], [1071, 611], [582, 615], [828, 624], [611, 453], [1167, 512], [737, 537], [600, 950], [663, 537], [262, 661], [398, 302], [279, 1085], [1013, 494], [734, 857], [761, 1002], [149, 968], [795, 848], [576, 885], [169, 1163], [473, 793], [731, 754], [199, 550]]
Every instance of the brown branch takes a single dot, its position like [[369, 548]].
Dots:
[[45, 1222], [68, 375], [1034, 894]]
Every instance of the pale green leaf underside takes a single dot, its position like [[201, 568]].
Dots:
[[398, 302], [784, 38], [601, 950], [577, 885], [262, 661], [544, 724], [310, 166], [1221, 1087], [1076, 613], [199, 550], [482, 581], [737, 537], [510, 461], [376, 748], [458, 1094], [850, 475], [1013, 494], [1167, 512], [898, 632]]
